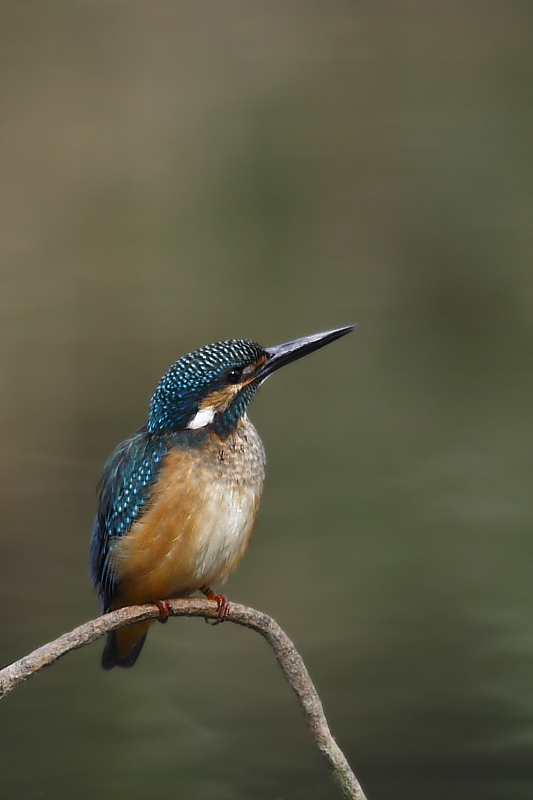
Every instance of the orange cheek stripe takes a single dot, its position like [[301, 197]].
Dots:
[[220, 400]]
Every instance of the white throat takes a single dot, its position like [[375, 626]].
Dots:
[[203, 417]]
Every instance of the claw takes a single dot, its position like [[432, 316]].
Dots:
[[221, 601], [165, 610]]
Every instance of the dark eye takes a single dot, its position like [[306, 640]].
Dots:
[[234, 375]]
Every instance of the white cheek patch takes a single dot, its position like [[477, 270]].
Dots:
[[203, 417]]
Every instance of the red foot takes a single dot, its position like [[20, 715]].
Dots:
[[165, 610], [222, 603]]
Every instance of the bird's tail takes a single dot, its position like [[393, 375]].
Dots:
[[123, 647]]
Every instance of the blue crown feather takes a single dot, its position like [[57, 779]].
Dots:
[[193, 377]]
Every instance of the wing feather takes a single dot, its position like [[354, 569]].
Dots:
[[123, 491]]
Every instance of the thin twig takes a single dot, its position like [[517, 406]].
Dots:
[[286, 654]]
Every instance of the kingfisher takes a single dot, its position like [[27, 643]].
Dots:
[[178, 500]]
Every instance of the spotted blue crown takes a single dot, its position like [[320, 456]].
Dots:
[[193, 377]]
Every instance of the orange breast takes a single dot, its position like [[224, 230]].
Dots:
[[198, 524]]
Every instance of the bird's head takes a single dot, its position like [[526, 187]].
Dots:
[[213, 386]]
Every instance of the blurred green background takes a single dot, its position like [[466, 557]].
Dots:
[[179, 173]]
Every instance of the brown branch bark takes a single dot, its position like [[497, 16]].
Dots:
[[286, 654]]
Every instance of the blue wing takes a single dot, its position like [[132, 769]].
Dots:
[[124, 490]]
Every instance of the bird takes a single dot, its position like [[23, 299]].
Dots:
[[178, 500]]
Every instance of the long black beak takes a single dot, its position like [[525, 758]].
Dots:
[[283, 354]]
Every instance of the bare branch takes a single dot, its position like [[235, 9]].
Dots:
[[286, 654]]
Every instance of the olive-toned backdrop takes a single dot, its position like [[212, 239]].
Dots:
[[178, 173]]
